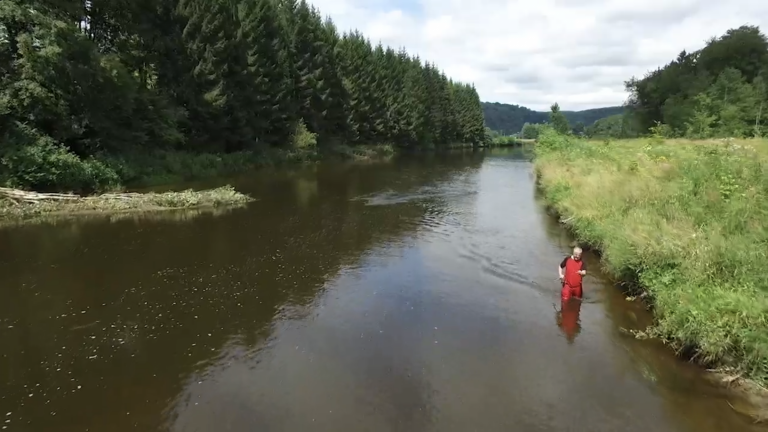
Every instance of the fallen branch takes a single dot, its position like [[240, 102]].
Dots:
[[21, 195], [33, 197]]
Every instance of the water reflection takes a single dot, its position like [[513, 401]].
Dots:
[[567, 318], [74, 221]]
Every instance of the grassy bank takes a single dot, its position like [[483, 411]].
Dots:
[[687, 221], [18, 206]]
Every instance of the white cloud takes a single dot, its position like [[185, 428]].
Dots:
[[535, 52]]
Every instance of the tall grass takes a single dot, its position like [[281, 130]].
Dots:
[[688, 221]]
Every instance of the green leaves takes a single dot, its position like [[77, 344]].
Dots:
[[557, 120], [718, 91]]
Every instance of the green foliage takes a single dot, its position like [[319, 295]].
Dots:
[[495, 139], [551, 140], [579, 129], [199, 80], [659, 131], [699, 125], [302, 138], [558, 121], [615, 126], [510, 119], [36, 162], [716, 92], [531, 131]]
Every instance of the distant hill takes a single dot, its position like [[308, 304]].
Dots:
[[510, 119]]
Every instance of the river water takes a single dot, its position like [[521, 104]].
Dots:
[[413, 295]]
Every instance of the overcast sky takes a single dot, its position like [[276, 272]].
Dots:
[[535, 52]]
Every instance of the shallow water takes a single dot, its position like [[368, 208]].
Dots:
[[416, 295]]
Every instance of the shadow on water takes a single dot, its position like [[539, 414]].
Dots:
[[414, 295], [568, 318]]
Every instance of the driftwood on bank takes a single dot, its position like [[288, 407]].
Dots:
[[36, 197], [17, 204]]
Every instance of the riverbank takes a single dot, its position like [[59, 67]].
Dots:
[[98, 182], [686, 223], [52, 168], [168, 167], [18, 206]]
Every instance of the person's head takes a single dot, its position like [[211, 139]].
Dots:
[[577, 253]]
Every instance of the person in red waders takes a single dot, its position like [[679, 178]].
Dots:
[[571, 271]]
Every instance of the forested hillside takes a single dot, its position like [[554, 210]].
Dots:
[[86, 87], [510, 119], [718, 91]]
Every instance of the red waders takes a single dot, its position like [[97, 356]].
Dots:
[[572, 279]]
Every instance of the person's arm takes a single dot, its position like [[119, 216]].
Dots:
[[583, 267], [561, 269]]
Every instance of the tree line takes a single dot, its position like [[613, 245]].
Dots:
[[557, 120], [82, 81], [717, 91], [510, 119], [614, 126]]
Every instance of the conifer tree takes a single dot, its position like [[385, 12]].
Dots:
[[115, 78], [269, 97]]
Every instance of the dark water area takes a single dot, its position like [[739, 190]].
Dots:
[[414, 295]]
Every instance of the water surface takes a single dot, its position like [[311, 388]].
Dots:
[[415, 295]]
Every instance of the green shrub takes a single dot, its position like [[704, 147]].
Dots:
[[302, 138], [33, 161]]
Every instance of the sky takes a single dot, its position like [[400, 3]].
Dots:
[[532, 53]]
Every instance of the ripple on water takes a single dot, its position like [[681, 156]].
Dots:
[[391, 197], [506, 273]]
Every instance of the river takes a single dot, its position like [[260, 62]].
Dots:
[[413, 295]]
